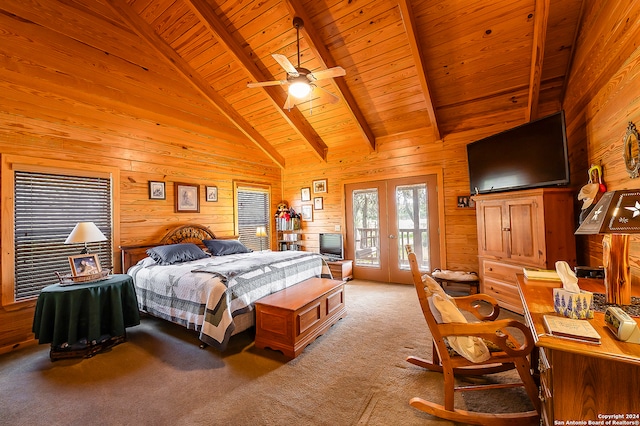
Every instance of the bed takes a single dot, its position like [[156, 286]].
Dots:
[[212, 294]]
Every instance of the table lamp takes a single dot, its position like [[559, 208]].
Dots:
[[85, 232], [261, 232], [616, 215]]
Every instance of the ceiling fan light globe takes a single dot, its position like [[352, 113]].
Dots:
[[299, 89]]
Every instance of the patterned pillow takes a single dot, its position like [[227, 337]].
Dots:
[[225, 247], [176, 253]]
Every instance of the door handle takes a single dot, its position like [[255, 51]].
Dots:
[[392, 236]]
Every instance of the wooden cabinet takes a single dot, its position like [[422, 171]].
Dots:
[[531, 228], [341, 269], [581, 383]]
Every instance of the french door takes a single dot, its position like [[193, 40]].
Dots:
[[382, 218]]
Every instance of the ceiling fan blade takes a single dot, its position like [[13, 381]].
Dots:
[[284, 63], [267, 83], [329, 73], [327, 96], [289, 103]]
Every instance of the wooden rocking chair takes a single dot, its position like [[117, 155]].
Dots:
[[505, 354]]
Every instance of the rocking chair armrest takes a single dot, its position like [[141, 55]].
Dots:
[[494, 331], [474, 302]]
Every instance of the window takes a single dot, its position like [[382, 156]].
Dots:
[[252, 212], [45, 199], [46, 208]]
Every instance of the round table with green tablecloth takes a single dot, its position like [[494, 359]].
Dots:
[[83, 319]]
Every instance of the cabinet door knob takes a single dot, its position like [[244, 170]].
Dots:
[[506, 229]]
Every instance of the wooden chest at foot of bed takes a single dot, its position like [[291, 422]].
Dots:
[[292, 318]]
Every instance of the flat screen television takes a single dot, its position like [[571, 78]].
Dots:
[[528, 156], [331, 246]]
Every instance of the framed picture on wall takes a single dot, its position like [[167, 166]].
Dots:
[[157, 190], [307, 213], [187, 198], [317, 203], [212, 193], [305, 194], [319, 186]]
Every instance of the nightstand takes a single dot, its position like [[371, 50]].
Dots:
[[81, 320], [341, 269]]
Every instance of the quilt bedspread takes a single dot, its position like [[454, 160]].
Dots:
[[205, 295]]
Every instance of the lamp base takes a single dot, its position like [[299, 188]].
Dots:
[[617, 279]]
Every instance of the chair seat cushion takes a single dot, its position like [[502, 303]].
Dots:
[[471, 347]]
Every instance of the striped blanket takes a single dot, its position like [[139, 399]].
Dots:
[[205, 295]]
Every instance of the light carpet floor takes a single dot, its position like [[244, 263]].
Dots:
[[355, 374]]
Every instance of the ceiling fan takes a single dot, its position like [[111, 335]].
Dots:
[[300, 81]]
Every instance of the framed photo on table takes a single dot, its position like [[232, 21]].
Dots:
[[84, 264], [187, 198]]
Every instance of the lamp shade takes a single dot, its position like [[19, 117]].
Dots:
[[617, 212], [261, 231], [85, 232]]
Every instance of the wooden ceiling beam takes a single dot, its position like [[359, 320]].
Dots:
[[540, 21], [293, 116], [326, 59], [142, 29], [416, 52]]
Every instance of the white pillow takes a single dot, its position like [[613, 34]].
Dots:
[[471, 347]]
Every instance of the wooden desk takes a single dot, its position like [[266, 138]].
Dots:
[[581, 381]]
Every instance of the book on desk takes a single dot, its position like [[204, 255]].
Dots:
[[569, 328]]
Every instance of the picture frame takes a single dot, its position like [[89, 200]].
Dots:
[[187, 198], [84, 264], [157, 190], [465, 202], [211, 193], [319, 186], [307, 213], [305, 194], [317, 203]]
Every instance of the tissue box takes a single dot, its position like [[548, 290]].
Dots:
[[573, 305]]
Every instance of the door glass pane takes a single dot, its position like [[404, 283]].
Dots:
[[366, 225], [413, 224]]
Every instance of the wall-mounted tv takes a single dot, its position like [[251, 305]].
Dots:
[[331, 246], [528, 156]]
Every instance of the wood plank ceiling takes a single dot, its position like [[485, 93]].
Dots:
[[428, 67]]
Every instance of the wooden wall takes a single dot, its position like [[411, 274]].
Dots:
[[64, 98], [602, 97]]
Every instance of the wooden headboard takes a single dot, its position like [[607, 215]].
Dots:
[[182, 234]]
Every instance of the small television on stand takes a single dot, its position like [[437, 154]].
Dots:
[[331, 247]]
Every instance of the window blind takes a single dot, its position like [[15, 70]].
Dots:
[[253, 211], [46, 208]]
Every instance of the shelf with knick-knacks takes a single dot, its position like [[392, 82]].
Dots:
[[288, 228]]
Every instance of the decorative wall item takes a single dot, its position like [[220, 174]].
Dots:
[[305, 194], [212, 193], [187, 198], [157, 190], [465, 201], [317, 203], [307, 213], [319, 186], [631, 147]]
